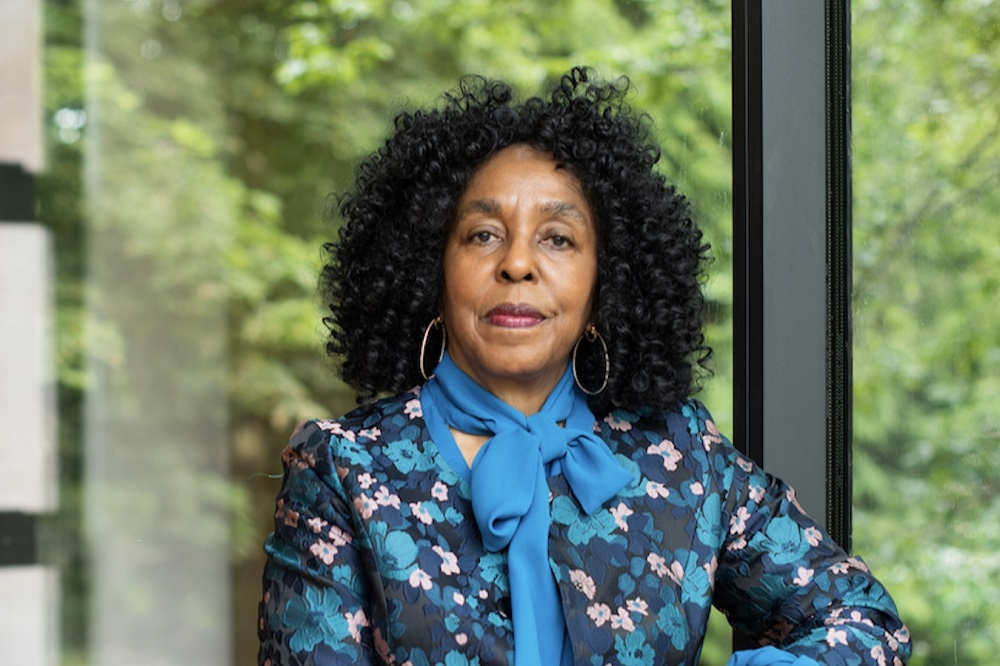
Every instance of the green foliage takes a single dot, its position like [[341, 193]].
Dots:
[[215, 131], [927, 340]]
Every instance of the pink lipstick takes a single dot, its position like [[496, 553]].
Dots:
[[514, 316]]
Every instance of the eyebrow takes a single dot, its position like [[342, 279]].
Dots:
[[555, 207], [563, 209]]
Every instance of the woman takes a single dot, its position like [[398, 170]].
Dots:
[[537, 488]]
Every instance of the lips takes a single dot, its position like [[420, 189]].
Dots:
[[514, 316]]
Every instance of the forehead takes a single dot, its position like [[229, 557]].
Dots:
[[522, 171]]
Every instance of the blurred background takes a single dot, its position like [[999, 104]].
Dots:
[[160, 333]]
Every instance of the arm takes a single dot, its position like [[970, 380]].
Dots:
[[315, 607], [783, 581]]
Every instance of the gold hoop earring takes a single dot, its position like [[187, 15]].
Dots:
[[591, 335], [436, 323]]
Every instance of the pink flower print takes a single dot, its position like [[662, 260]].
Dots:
[[671, 456], [658, 564], [713, 436], [637, 605], [296, 459], [676, 572], [458, 598], [355, 621], [365, 505], [656, 489], [710, 568], [461, 639], [599, 613], [697, 489], [338, 536], [756, 494], [413, 409], [421, 513], [744, 464], [738, 521], [618, 424], [366, 480], [291, 518], [382, 647], [621, 620], [583, 582], [739, 544], [440, 492], [621, 514], [370, 433], [385, 498], [420, 578], [840, 568], [878, 654], [790, 496], [316, 524], [449, 561], [813, 536], [858, 564], [856, 618], [324, 551], [835, 636], [483, 594], [804, 578], [335, 428]]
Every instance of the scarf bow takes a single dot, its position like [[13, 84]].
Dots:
[[510, 491]]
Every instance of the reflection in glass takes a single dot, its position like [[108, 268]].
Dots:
[[190, 164]]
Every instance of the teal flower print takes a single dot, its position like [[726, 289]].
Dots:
[[785, 542], [672, 623], [407, 457], [397, 550], [315, 617], [633, 650]]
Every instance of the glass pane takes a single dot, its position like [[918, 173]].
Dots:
[[927, 326], [191, 148]]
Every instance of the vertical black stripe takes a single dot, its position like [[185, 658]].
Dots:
[[839, 284], [748, 231]]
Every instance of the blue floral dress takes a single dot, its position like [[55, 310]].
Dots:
[[376, 557]]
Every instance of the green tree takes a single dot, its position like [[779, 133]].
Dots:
[[927, 336], [215, 131]]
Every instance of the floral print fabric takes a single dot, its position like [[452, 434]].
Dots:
[[376, 558]]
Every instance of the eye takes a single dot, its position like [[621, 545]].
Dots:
[[559, 241], [483, 236]]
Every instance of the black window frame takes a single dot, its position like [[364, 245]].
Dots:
[[768, 422]]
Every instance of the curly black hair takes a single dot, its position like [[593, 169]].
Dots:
[[383, 278]]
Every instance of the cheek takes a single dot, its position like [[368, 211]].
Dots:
[[460, 286]]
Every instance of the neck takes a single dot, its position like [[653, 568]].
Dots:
[[525, 395]]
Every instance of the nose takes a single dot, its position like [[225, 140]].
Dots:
[[517, 263]]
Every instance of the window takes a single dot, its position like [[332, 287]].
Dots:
[[190, 147]]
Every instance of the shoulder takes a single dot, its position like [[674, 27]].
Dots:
[[684, 436], [316, 440], [687, 423]]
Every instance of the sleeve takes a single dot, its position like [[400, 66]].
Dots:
[[316, 607], [783, 582]]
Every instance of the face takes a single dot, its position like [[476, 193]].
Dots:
[[520, 269]]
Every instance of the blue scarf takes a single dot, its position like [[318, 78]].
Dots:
[[510, 492]]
